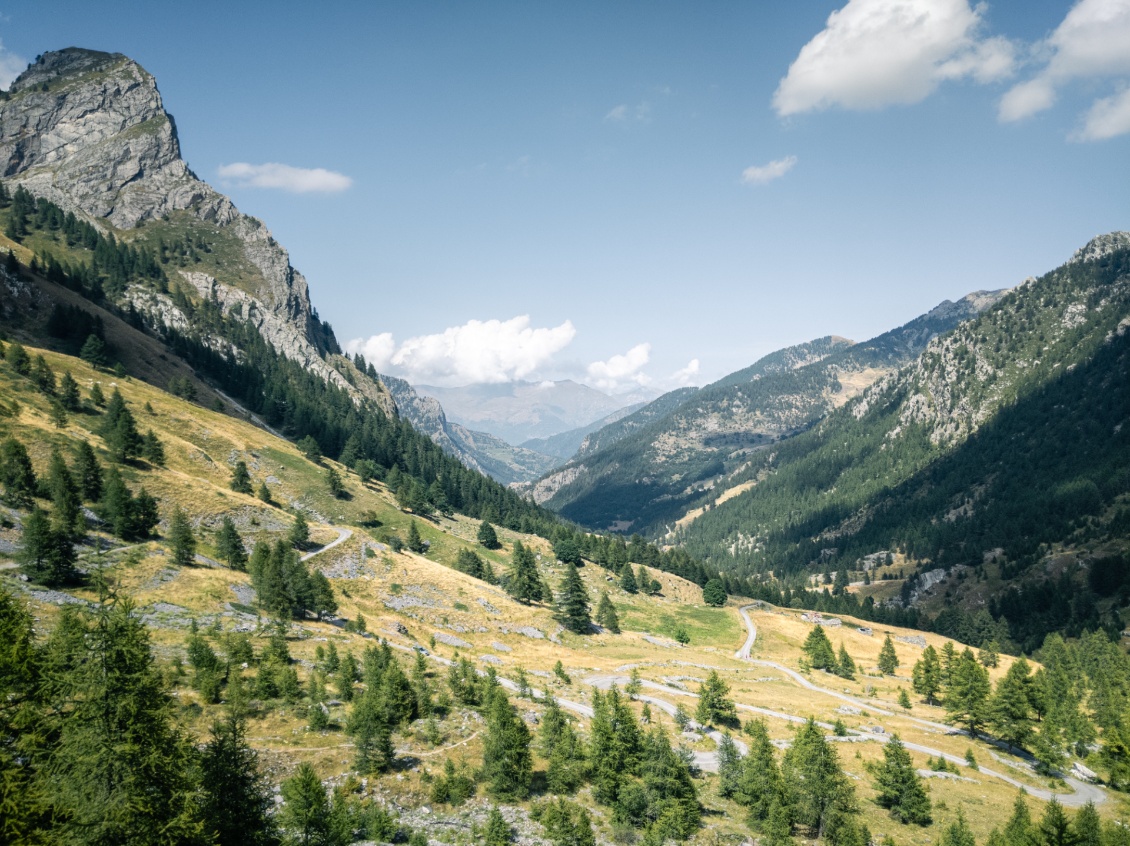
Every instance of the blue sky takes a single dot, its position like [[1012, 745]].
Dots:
[[637, 193]]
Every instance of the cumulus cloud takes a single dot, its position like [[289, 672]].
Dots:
[[479, 351], [11, 66], [296, 180], [1092, 41], [876, 53], [621, 371], [760, 174], [1107, 118], [686, 375]]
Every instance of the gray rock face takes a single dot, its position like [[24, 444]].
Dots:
[[89, 132]]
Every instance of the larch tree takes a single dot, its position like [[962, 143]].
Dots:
[[573, 602], [899, 788], [888, 660], [714, 705], [927, 675]]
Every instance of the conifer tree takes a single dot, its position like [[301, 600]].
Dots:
[[119, 429], [567, 824], [899, 787], [97, 398], [1009, 712], [241, 478], [967, 696], [990, 654], [69, 395], [487, 537], [628, 579], [1018, 830], [1055, 828], [811, 773], [759, 785], [229, 546], [17, 358], [606, 614], [470, 563], [729, 766], [957, 833], [236, 801], [573, 602], [888, 660], [927, 675], [507, 765], [305, 813], [47, 556], [17, 474], [414, 542], [152, 450], [615, 745], [524, 582], [181, 539], [66, 498], [334, 484], [904, 699], [845, 666], [948, 660], [299, 535], [1088, 826], [559, 745], [93, 351], [714, 706], [264, 493], [371, 727], [818, 650], [497, 831], [88, 472], [119, 769]]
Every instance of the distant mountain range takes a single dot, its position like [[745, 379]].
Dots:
[[643, 470], [520, 411]]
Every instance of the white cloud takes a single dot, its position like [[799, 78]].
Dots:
[[479, 351], [760, 174], [297, 180], [876, 53], [686, 375], [11, 66], [621, 371], [1107, 118], [1092, 41], [624, 113], [377, 349]]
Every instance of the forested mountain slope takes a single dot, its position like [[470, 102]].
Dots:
[[1003, 446], [651, 476], [88, 131]]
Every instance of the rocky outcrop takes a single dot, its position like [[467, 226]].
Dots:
[[88, 131]]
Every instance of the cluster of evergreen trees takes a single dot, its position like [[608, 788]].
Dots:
[[1080, 696]]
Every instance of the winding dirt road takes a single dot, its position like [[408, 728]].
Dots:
[[1082, 791]]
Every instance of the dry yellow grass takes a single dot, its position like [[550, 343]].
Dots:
[[427, 597]]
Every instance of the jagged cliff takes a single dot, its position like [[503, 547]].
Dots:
[[88, 131]]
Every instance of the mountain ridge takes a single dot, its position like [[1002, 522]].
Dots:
[[658, 470]]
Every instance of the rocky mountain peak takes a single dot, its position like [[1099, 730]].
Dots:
[[89, 132], [1102, 246], [59, 64]]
